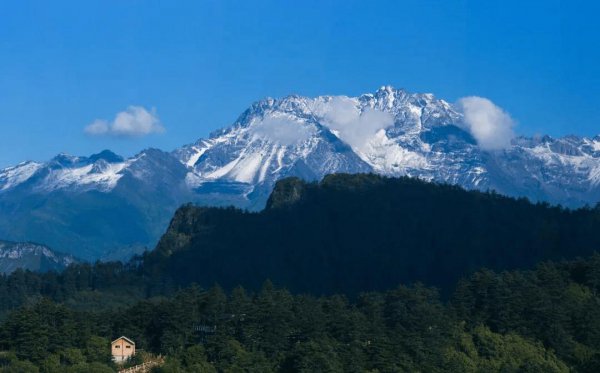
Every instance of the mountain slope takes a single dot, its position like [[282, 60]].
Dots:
[[352, 233], [30, 256], [96, 207], [104, 206]]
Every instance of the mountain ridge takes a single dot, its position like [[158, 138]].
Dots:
[[390, 132], [31, 256]]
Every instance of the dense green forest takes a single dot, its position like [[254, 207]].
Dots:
[[353, 233], [542, 320], [490, 284]]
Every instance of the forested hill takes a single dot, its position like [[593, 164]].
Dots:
[[546, 320], [353, 233]]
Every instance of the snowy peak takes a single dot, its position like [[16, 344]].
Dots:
[[100, 172], [107, 156], [85, 173], [268, 141], [277, 137], [11, 177], [392, 132]]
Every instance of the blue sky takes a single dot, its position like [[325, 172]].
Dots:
[[64, 64]]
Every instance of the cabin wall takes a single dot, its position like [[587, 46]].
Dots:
[[121, 350]]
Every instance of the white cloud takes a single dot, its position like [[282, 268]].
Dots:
[[283, 130], [98, 127], [491, 126], [134, 121], [351, 125]]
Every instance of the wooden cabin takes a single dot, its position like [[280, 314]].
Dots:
[[122, 349]]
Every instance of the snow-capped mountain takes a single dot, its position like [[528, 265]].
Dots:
[[100, 206], [107, 206], [34, 257], [391, 132]]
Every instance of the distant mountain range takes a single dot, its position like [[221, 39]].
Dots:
[[31, 256], [104, 206]]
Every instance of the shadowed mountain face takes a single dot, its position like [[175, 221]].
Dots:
[[30, 256], [104, 206], [352, 233]]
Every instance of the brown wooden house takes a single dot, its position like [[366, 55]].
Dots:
[[122, 349]]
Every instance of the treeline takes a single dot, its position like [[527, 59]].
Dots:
[[543, 320], [351, 233], [80, 286]]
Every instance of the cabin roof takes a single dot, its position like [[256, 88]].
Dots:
[[125, 338]]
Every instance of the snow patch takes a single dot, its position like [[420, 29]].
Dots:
[[280, 155], [198, 152], [265, 166], [388, 157], [86, 175], [14, 176], [595, 175], [246, 168]]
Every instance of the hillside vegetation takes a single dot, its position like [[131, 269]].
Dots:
[[352, 233], [545, 320]]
